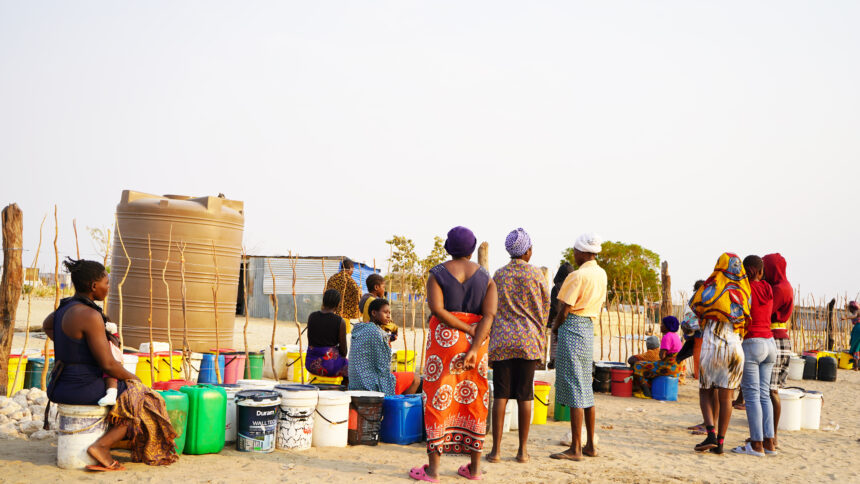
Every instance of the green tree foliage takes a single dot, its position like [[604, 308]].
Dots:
[[620, 260], [407, 266]]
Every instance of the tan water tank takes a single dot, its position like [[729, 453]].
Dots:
[[198, 224]]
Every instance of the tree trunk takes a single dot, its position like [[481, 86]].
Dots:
[[10, 285], [484, 256], [666, 299]]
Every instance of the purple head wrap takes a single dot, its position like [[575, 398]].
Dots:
[[671, 323], [518, 242], [461, 242]]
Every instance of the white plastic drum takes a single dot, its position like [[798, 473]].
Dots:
[[80, 426], [256, 384], [230, 427], [296, 416], [795, 368], [792, 408], [194, 362], [129, 362], [331, 422], [811, 408]]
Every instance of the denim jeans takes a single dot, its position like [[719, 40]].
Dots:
[[759, 357]]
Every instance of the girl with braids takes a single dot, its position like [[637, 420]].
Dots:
[[83, 358]]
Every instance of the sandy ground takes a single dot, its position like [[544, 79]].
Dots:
[[639, 441]]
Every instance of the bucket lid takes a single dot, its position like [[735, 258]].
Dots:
[[814, 394], [541, 383], [297, 388], [364, 393], [227, 385], [333, 398], [791, 393], [260, 396]]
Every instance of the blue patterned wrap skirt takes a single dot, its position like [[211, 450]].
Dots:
[[574, 361]]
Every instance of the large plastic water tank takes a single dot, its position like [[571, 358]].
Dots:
[[198, 224]]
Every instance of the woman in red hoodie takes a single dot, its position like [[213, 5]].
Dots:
[[783, 306]]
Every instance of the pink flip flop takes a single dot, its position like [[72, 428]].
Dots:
[[465, 472], [420, 474]]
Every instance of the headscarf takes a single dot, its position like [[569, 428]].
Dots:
[[725, 295], [461, 242], [652, 342], [518, 242], [671, 323], [588, 242], [783, 293]]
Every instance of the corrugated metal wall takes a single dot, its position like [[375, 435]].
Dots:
[[309, 284]]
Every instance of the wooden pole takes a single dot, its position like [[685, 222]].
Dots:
[[245, 328], [609, 328], [600, 318], [423, 327], [47, 347], [666, 285], [403, 310], [29, 299], [186, 348], [484, 256], [11, 285], [414, 337], [124, 276], [293, 263], [167, 292], [149, 319], [77, 246], [107, 256], [275, 322], [218, 375]]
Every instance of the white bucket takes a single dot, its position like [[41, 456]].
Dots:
[[811, 409], [296, 416], [256, 384], [280, 361], [157, 347], [795, 368], [230, 421], [195, 361], [792, 408], [257, 420], [129, 362], [80, 426], [331, 420], [511, 417]]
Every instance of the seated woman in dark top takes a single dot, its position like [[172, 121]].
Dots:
[[83, 358], [327, 347]]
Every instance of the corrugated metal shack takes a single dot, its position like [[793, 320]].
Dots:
[[311, 276]]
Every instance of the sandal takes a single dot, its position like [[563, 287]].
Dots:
[[114, 466], [467, 473], [420, 474], [748, 450]]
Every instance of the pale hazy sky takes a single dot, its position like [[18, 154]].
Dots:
[[691, 128]]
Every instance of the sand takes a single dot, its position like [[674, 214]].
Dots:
[[640, 441]]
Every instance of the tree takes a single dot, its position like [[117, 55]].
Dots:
[[620, 260], [101, 243], [405, 262]]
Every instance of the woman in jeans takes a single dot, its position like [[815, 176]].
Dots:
[[759, 357]]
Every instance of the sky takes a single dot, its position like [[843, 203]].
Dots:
[[691, 128]]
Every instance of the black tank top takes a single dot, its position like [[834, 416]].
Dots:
[[323, 329], [462, 297]]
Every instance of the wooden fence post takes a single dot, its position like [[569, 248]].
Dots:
[[484, 256], [666, 283], [10, 285]]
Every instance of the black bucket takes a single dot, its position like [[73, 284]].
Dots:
[[810, 367], [329, 387], [827, 368], [365, 418], [602, 382]]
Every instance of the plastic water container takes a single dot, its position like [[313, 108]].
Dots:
[[540, 408], [822, 354], [404, 360], [254, 366], [811, 408], [827, 368], [80, 426], [169, 366], [365, 417], [795, 368], [129, 362], [622, 382], [602, 380], [142, 370], [549, 377], [256, 420], [792, 408], [296, 366], [509, 416], [157, 347], [230, 416], [207, 407], [177, 409], [846, 360], [665, 388], [325, 380], [810, 367], [280, 362], [256, 384], [194, 362], [33, 374], [207, 369], [402, 419], [331, 419], [171, 385], [234, 367], [512, 410], [296, 416], [562, 413]]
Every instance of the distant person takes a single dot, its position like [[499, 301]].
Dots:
[[349, 291], [692, 335], [652, 353], [463, 301], [759, 357], [783, 307], [370, 368], [563, 271], [517, 339], [644, 372], [831, 306], [327, 345], [375, 289], [580, 299], [854, 344], [722, 306]]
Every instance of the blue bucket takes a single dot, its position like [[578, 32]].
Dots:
[[402, 419], [665, 388], [207, 369]]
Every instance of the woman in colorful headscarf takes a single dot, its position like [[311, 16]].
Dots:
[[517, 338], [463, 300], [722, 305], [854, 345], [646, 371]]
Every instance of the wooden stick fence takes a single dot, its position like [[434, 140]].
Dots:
[[293, 262], [149, 319], [29, 299], [47, 347], [167, 292], [275, 321]]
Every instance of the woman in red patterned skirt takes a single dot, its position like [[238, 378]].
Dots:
[[463, 300]]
